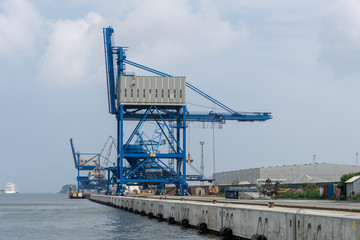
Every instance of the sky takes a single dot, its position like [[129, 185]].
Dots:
[[299, 60]]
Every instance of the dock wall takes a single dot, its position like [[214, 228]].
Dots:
[[242, 221]]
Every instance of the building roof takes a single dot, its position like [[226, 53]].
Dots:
[[243, 183], [353, 179], [304, 179]]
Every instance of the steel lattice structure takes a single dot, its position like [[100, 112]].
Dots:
[[146, 166], [89, 174]]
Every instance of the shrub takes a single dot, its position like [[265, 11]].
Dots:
[[308, 187], [357, 197], [333, 197], [314, 193]]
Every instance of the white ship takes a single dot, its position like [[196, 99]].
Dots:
[[10, 188]]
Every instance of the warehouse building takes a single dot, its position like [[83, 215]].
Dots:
[[327, 171]]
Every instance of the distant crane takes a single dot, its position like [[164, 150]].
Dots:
[[91, 171], [110, 142], [160, 100]]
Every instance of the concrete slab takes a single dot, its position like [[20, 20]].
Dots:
[[294, 220]]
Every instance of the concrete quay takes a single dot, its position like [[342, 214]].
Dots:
[[332, 205], [236, 219]]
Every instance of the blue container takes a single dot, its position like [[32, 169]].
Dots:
[[229, 193], [234, 192], [330, 190]]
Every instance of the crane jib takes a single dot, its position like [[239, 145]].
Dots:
[[119, 52]]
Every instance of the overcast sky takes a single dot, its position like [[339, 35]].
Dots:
[[299, 60]]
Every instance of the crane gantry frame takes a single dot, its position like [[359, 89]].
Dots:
[[149, 167], [91, 167]]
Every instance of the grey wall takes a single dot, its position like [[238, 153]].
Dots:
[[250, 175], [330, 172]]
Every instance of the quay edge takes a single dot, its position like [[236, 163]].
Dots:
[[241, 221]]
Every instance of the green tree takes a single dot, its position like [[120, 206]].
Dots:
[[343, 179]]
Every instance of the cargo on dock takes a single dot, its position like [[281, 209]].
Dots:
[[77, 195]]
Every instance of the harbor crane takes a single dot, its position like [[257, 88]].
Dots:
[[160, 100], [91, 167]]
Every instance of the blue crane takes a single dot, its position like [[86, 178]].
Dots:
[[92, 167], [148, 167], [89, 174]]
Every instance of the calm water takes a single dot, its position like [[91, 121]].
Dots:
[[36, 216]]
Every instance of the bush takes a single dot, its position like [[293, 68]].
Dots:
[[357, 197], [314, 193], [342, 197], [333, 197], [308, 187]]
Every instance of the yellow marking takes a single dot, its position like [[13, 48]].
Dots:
[[152, 155], [247, 213], [354, 228]]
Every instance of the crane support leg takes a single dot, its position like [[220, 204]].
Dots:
[[120, 151]]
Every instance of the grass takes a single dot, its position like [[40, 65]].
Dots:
[[213, 195], [311, 192], [356, 197]]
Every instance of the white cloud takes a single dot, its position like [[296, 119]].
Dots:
[[20, 27], [340, 39], [175, 30], [74, 51], [347, 20]]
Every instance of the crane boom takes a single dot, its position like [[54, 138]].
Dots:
[[119, 52], [216, 117], [75, 156]]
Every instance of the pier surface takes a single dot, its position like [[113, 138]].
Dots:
[[352, 206], [250, 219]]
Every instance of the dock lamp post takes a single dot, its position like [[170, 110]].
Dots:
[[202, 161]]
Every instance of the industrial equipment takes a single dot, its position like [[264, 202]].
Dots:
[[91, 171], [234, 192], [160, 100]]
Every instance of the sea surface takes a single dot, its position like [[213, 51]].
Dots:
[[55, 216]]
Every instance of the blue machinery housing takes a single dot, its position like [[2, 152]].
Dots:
[[145, 164]]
